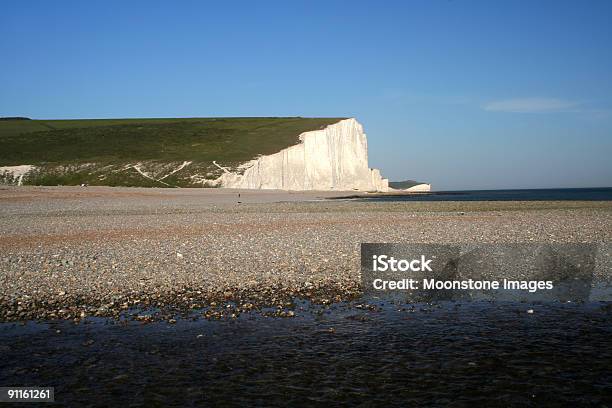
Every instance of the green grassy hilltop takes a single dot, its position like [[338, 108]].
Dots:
[[104, 151]]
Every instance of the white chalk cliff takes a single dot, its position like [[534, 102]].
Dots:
[[419, 188], [334, 158]]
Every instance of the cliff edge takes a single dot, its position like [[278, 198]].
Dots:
[[333, 158]]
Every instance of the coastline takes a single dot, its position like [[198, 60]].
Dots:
[[72, 253]]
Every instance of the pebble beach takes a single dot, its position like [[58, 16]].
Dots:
[[152, 254]]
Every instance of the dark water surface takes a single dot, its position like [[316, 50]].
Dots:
[[449, 354], [588, 194]]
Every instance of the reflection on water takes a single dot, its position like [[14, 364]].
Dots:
[[392, 355]]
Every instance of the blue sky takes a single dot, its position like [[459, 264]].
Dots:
[[463, 94]]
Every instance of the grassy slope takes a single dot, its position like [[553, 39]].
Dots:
[[113, 141], [96, 151]]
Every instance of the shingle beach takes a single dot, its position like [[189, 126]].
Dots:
[[73, 252]]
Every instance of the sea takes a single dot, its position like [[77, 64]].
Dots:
[[548, 194]]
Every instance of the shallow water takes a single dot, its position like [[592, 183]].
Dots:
[[459, 354]]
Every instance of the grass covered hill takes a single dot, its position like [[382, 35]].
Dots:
[[119, 151]]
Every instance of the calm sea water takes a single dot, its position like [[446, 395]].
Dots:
[[588, 194], [447, 354]]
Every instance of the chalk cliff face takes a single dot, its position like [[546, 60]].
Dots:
[[334, 158], [420, 188]]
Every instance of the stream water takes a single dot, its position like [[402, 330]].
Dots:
[[449, 353]]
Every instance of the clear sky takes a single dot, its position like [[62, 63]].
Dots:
[[462, 94]]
